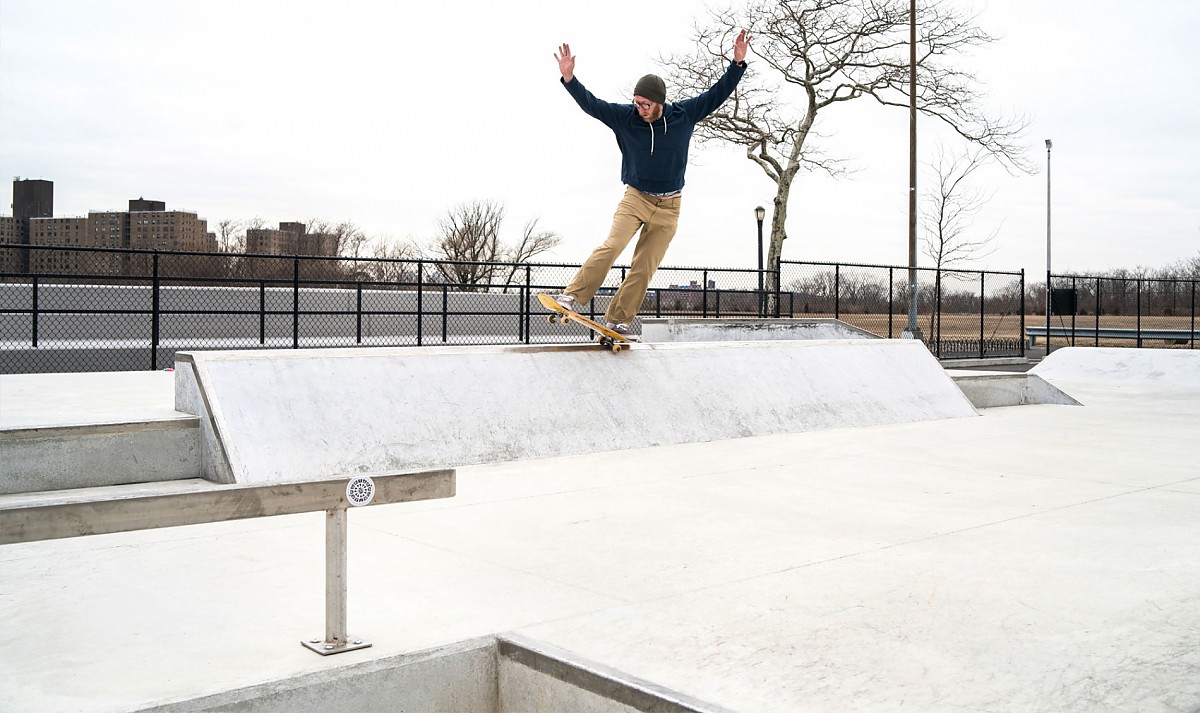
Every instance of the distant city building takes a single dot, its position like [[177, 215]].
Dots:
[[147, 225], [32, 198], [290, 239]]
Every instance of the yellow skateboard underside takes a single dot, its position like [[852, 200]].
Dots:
[[607, 337]]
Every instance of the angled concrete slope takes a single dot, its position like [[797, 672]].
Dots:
[[276, 415], [1115, 365]]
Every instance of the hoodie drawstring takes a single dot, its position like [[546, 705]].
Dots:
[[664, 121]]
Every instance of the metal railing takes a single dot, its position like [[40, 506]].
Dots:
[[1119, 311], [110, 309], [30, 518]]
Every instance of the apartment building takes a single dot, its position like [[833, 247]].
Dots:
[[289, 239]]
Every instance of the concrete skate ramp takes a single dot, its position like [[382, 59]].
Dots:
[[1115, 365], [275, 415]]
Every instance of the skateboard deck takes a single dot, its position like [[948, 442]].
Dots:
[[606, 337]]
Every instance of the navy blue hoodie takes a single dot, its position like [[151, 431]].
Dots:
[[654, 156]]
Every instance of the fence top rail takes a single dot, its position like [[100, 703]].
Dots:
[[352, 258], [1186, 280], [943, 270]]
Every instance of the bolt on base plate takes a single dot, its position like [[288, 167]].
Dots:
[[326, 648]]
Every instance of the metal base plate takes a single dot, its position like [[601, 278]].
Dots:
[[326, 648]]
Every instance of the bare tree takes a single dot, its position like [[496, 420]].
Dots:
[[394, 262], [533, 242], [325, 237], [951, 206], [815, 54], [231, 236], [468, 250]]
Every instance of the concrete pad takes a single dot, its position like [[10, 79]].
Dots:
[[1039, 557], [313, 414], [924, 565], [30, 401], [676, 329]]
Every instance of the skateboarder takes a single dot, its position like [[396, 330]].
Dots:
[[653, 136]]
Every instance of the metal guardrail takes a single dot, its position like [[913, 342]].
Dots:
[[47, 516], [1175, 336]]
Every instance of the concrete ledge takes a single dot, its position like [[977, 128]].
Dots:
[[298, 415], [84, 456], [673, 329]]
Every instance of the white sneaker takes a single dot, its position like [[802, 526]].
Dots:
[[623, 329], [567, 302]]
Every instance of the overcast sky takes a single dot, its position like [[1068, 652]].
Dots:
[[387, 114]]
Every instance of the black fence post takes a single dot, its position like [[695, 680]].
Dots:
[[525, 310], [837, 291], [358, 313], [937, 310], [445, 313], [155, 315], [34, 315], [1193, 346], [1074, 293], [1139, 312], [1021, 334], [295, 303], [982, 311], [704, 293], [421, 303], [1097, 335], [891, 300], [1049, 309], [262, 311]]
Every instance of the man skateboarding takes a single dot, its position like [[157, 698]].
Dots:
[[654, 137]]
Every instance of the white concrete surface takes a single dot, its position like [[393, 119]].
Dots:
[[311, 414], [1037, 558], [29, 401]]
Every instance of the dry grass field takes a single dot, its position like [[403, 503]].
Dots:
[[995, 326]]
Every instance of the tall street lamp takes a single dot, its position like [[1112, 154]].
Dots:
[[913, 331], [1049, 292], [759, 214]]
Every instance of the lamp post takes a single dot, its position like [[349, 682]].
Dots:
[[1049, 292], [759, 214], [913, 331]]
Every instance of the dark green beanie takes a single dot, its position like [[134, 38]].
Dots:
[[652, 87]]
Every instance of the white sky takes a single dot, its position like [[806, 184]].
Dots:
[[386, 114]]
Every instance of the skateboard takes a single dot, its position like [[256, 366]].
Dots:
[[606, 337]]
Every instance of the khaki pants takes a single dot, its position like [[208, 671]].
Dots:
[[658, 218]]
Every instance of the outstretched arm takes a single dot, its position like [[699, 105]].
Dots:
[[566, 62]]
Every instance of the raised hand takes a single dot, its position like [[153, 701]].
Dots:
[[566, 62], [740, 45]]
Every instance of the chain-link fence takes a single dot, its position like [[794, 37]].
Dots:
[[958, 313], [1118, 312], [92, 309]]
